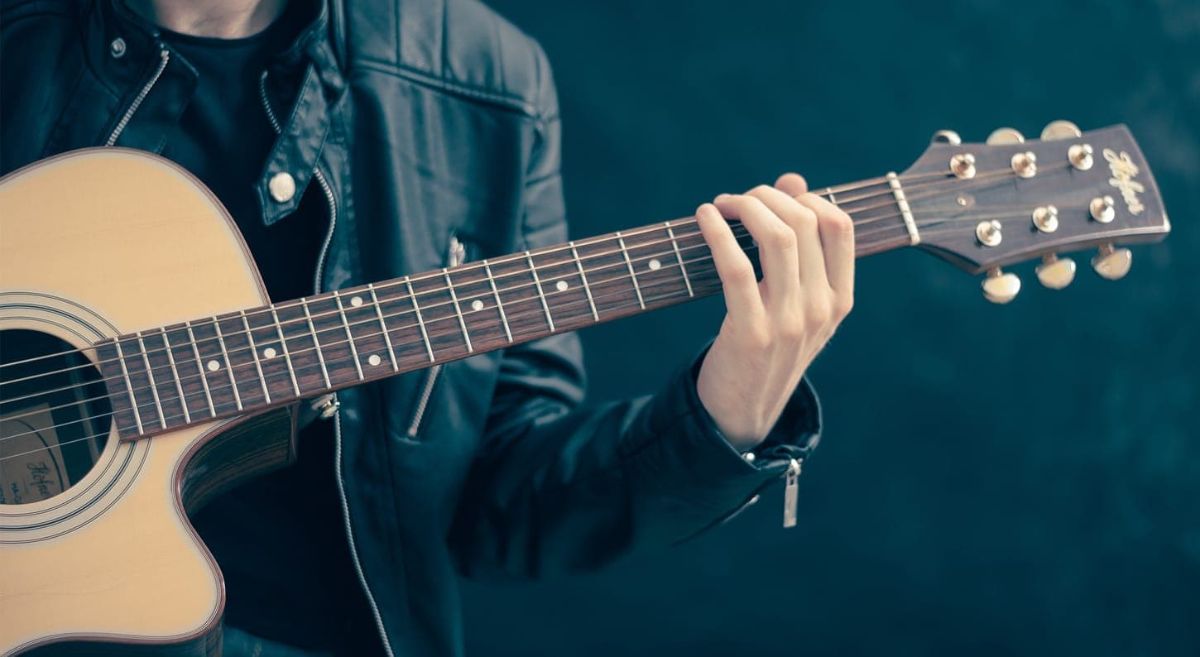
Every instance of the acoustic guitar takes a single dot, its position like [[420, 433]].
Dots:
[[135, 382]]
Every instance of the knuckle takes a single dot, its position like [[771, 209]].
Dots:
[[753, 203], [805, 216], [840, 223], [792, 331], [783, 237], [820, 312], [843, 305], [760, 190], [741, 272]]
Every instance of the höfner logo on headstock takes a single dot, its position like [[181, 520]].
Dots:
[[1124, 171]]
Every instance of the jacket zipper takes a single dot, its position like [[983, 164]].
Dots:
[[791, 492], [164, 57], [455, 258], [337, 418]]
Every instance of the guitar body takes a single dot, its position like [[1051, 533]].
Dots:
[[92, 244]]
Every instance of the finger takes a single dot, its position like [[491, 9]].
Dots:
[[837, 241], [803, 221], [776, 243], [792, 184], [738, 283]]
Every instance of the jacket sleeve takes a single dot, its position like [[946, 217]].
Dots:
[[561, 486]]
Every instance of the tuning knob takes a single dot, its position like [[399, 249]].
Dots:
[[946, 137], [1060, 130], [1005, 136], [1054, 272], [999, 287], [1103, 209], [1112, 263]]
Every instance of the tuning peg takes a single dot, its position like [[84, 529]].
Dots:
[[1060, 130], [946, 137], [1112, 263], [1054, 272], [1005, 136], [999, 287], [1103, 209]]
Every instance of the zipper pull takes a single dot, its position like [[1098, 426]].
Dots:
[[791, 493]]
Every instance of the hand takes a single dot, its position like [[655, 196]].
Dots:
[[775, 327]]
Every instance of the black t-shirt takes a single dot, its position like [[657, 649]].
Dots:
[[279, 539]]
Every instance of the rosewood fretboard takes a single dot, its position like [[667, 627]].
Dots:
[[172, 376]]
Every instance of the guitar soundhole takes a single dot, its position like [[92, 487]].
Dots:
[[54, 416]]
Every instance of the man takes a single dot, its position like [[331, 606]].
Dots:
[[358, 141]]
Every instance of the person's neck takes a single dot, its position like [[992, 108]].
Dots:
[[222, 19]]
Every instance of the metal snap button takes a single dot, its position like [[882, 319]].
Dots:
[[282, 187], [117, 48]]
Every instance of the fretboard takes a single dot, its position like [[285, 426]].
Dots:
[[246, 361]]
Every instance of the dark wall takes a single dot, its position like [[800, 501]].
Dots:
[[1020, 479]]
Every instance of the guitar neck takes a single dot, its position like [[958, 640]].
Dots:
[[257, 358]]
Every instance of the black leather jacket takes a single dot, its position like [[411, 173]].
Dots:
[[420, 121]]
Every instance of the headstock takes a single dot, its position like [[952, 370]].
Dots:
[[985, 205]]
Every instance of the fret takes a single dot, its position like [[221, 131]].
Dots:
[[287, 355], [316, 342], [583, 277], [636, 288], [162, 417], [607, 276], [412, 295], [156, 358], [187, 416], [701, 271], [262, 379], [200, 368], [829, 195], [661, 274], [341, 311], [679, 258], [387, 338], [237, 395], [178, 350], [137, 416], [499, 304], [462, 323], [360, 315], [537, 283], [563, 289]]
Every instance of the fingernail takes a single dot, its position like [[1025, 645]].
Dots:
[[722, 197]]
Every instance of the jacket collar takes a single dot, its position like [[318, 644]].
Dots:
[[125, 50]]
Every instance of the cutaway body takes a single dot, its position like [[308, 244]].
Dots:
[[94, 244]]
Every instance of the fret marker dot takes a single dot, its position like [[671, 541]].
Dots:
[[269, 352], [654, 264], [356, 301], [374, 359], [561, 286], [213, 366], [477, 305]]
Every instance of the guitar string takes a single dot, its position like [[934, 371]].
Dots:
[[374, 320], [182, 400], [896, 231], [239, 332], [739, 231], [684, 222], [533, 312]]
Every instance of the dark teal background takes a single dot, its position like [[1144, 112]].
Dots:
[[993, 480]]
